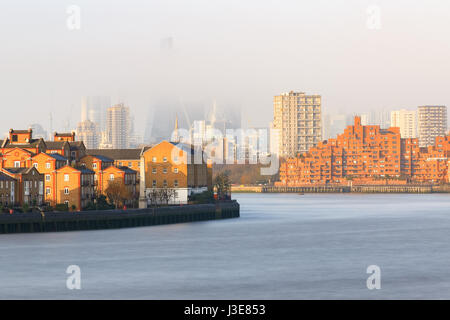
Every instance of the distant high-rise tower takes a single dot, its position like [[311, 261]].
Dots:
[[175, 135], [406, 120], [119, 126], [87, 132], [298, 117], [94, 109], [432, 124]]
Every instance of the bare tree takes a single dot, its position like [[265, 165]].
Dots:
[[154, 196], [117, 193], [166, 194]]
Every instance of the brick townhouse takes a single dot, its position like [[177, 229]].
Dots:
[[175, 166], [30, 185], [65, 172], [106, 171]]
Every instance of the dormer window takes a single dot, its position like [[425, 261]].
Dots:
[[14, 138]]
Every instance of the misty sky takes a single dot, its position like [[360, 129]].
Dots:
[[235, 52]]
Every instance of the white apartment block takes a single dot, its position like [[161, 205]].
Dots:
[[119, 126], [432, 122], [406, 120], [298, 119]]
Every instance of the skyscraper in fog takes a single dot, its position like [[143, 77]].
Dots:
[[87, 132], [376, 118], [432, 123], [94, 109], [333, 124], [38, 131], [298, 117], [406, 120], [119, 126]]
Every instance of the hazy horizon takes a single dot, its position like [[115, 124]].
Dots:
[[236, 53]]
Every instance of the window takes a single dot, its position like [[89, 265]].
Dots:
[[47, 177], [14, 138], [165, 183], [164, 170], [153, 170], [175, 170], [175, 183], [16, 164], [66, 177], [165, 159], [154, 159], [111, 177], [154, 183], [35, 165], [48, 165], [94, 165], [66, 190], [130, 164], [66, 202], [48, 191]]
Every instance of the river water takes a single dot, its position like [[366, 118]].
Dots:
[[284, 246]]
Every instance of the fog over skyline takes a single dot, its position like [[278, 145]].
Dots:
[[237, 53]]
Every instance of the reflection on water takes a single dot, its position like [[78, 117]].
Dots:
[[284, 246]]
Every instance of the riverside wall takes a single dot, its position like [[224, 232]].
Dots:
[[409, 188], [113, 219]]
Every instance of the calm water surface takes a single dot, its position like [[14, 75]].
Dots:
[[284, 246]]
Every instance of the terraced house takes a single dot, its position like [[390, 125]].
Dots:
[[62, 171], [30, 185], [75, 187], [8, 187], [41, 168], [368, 155], [48, 165], [175, 166], [106, 172]]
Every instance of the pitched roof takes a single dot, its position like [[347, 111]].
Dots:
[[127, 170], [63, 134], [54, 145], [103, 158], [76, 145], [20, 131], [21, 149], [78, 168], [188, 148], [116, 154], [19, 170], [85, 170], [5, 177], [34, 143], [57, 156]]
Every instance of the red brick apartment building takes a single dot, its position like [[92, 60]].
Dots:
[[368, 155]]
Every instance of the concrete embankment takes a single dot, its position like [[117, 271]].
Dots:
[[111, 219], [343, 189]]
